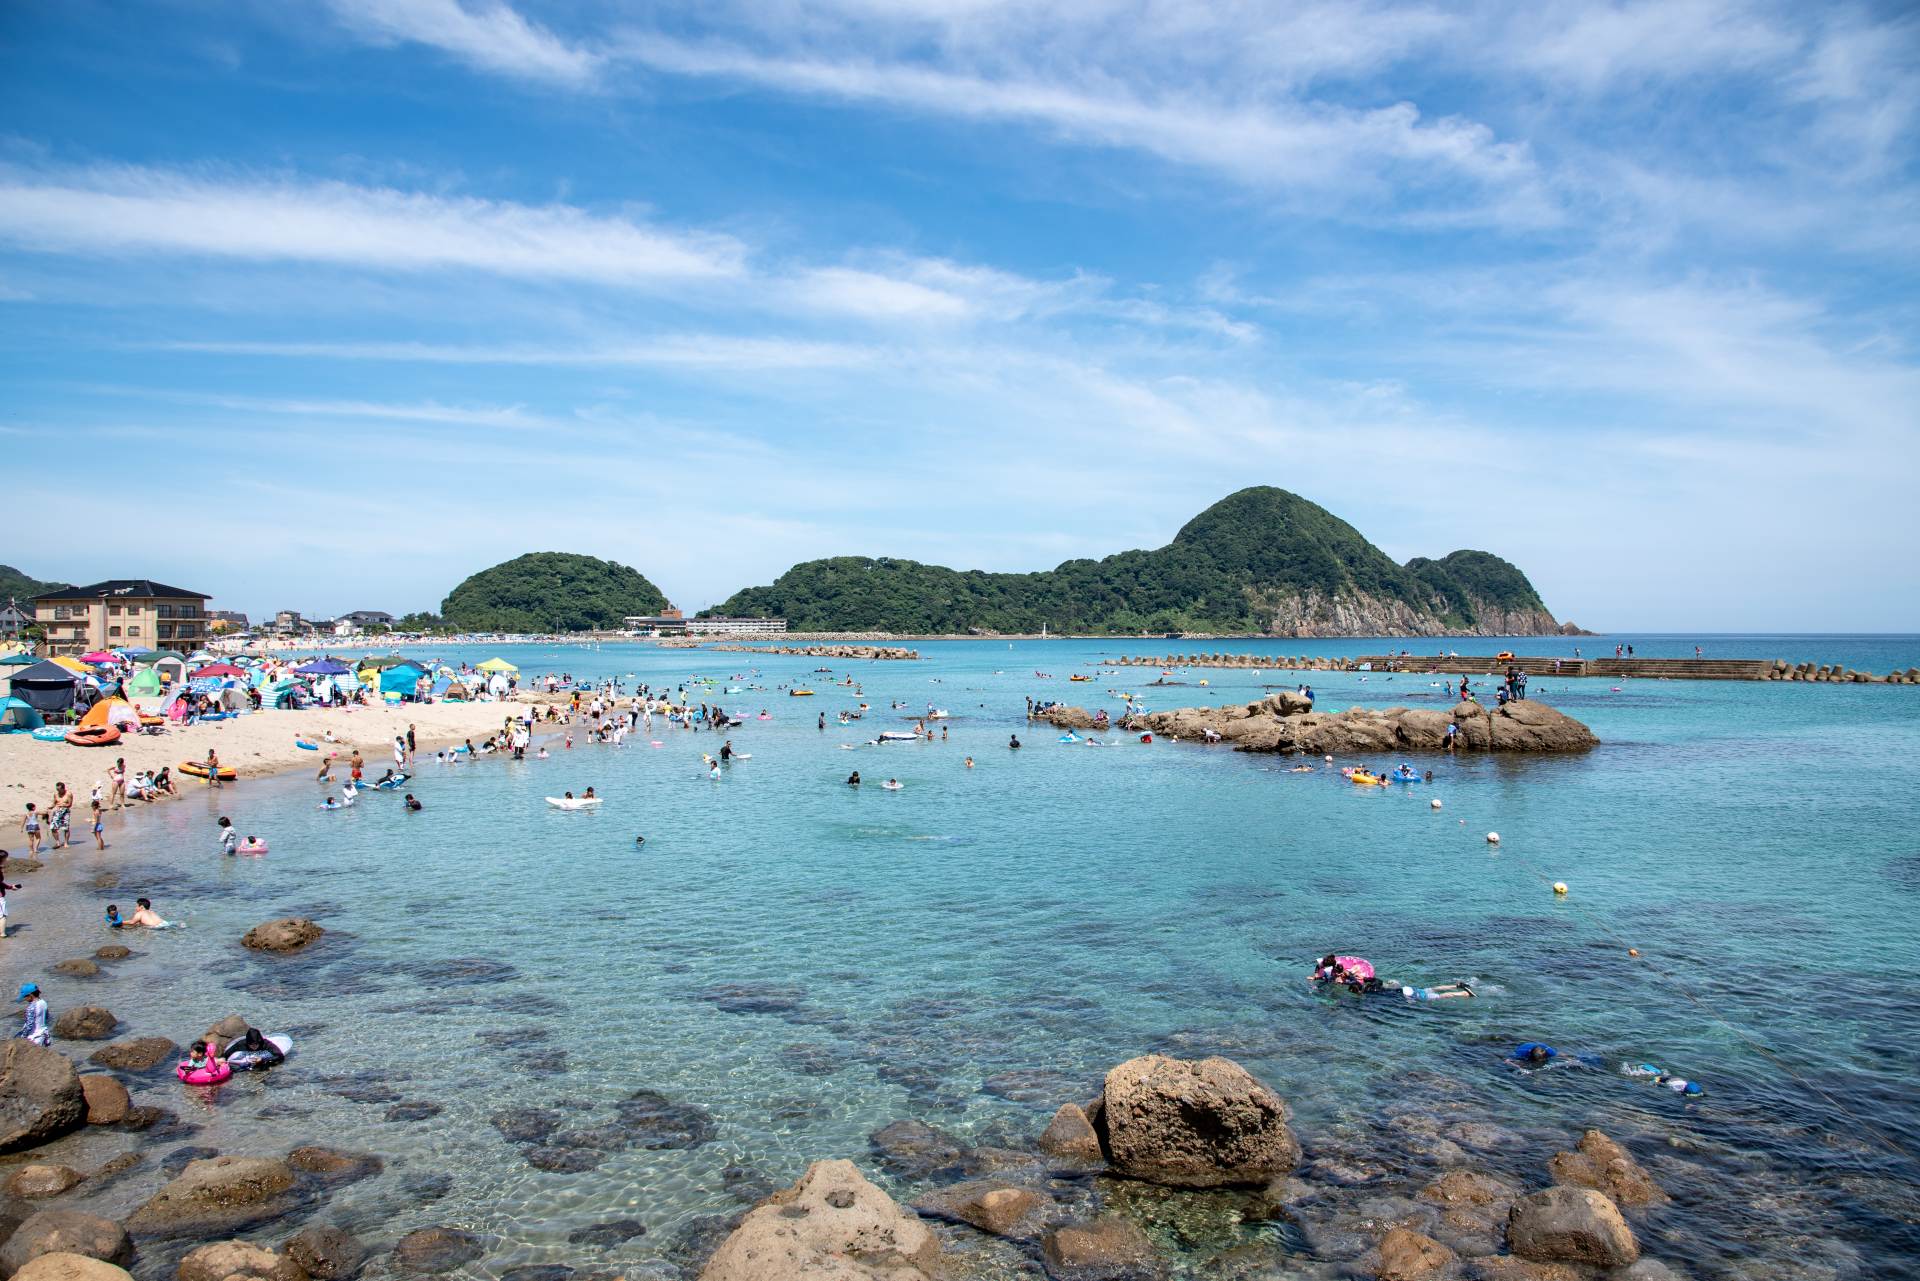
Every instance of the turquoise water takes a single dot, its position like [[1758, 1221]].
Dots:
[[804, 962]]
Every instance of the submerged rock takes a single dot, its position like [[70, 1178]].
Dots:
[[914, 1149], [326, 1253], [1108, 1249], [107, 1100], [140, 1054], [65, 1232], [78, 968], [1404, 1255], [60, 1266], [414, 1111], [1002, 1209], [1199, 1124], [288, 934], [41, 1097], [1571, 1225], [218, 1194], [36, 1182], [437, 1249], [831, 1223], [238, 1259], [606, 1235], [1603, 1165], [332, 1166], [85, 1023], [525, 1125], [112, 952], [658, 1124], [1071, 1136]]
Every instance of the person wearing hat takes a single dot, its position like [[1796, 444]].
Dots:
[[33, 1026]]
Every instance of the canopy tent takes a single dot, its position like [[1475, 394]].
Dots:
[[385, 661], [402, 679], [154, 655], [498, 665], [18, 660], [100, 656], [323, 667], [113, 711], [48, 686], [73, 665], [16, 715]]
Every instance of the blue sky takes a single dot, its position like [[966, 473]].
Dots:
[[326, 305]]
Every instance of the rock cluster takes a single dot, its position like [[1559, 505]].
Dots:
[[1284, 722]]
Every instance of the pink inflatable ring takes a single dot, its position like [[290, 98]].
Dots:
[[214, 1073]]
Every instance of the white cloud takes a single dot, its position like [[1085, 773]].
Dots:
[[489, 35], [718, 352], [127, 211]]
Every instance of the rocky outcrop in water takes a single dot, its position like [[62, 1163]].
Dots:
[[85, 1023], [1283, 722], [832, 1223], [289, 934], [60, 1266], [40, 1096], [216, 1195], [1193, 1124], [65, 1232], [859, 653]]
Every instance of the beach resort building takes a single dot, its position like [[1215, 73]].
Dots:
[[721, 626], [287, 622], [122, 613], [361, 620], [668, 622], [222, 621]]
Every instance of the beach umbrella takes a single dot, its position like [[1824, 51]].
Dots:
[[99, 656], [323, 667], [71, 664], [498, 665], [18, 660], [217, 669], [200, 656]]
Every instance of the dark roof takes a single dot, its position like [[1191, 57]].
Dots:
[[120, 587]]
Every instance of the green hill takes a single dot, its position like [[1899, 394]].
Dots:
[[1258, 561], [15, 585], [550, 592]]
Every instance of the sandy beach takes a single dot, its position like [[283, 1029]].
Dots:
[[255, 744]]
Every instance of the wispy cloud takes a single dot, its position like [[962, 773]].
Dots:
[[489, 35], [124, 211], [718, 352]]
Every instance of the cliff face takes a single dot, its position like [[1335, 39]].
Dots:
[[1313, 614]]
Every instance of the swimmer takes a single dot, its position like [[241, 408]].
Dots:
[[969, 762], [144, 917], [413, 806], [589, 795], [1534, 1054], [639, 840], [853, 779], [541, 755], [1013, 742], [113, 917], [1439, 992], [332, 803]]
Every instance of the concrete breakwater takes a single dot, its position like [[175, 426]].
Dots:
[[1686, 669], [875, 653]]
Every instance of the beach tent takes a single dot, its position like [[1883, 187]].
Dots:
[[99, 656], [402, 679], [144, 683], [153, 655], [48, 687], [323, 667], [498, 665], [171, 668], [73, 665], [201, 656], [217, 669], [113, 711], [16, 716]]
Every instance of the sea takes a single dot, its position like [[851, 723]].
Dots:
[[788, 964]]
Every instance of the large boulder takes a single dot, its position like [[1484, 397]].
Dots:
[[218, 1195], [1404, 1255], [85, 1023], [40, 1096], [1527, 726], [1571, 1225], [1195, 1124], [326, 1253], [64, 1232], [831, 1224], [238, 1259], [37, 1182], [107, 1100], [1603, 1165], [77, 968], [1071, 1136], [139, 1054], [434, 1250], [288, 934], [1108, 1249], [60, 1266]]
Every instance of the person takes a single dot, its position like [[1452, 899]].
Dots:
[[213, 769], [384, 779], [331, 803], [1438, 992], [30, 824], [726, 750], [969, 762], [113, 917], [413, 806], [99, 827], [163, 781], [639, 840], [229, 838], [1013, 742], [823, 721], [145, 917], [255, 1051], [326, 770], [33, 1024], [411, 740], [59, 816], [4, 887], [117, 778], [399, 752], [853, 779], [1452, 733], [357, 765], [1533, 1054], [200, 1057]]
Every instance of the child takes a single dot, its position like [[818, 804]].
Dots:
[[228, 837], [33, 1024], [199, 1057], [30, 824], [113, 917], [4, 887], [99, 827]]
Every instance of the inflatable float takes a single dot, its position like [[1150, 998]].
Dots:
[[241, 1059], [573, 802], [1365, 779], [198, 769], [252, 845], [93, 735], [212, 1074], [398, 780], [305, 746], [892, 787], [48, 734], [898, 736], [799, 693]]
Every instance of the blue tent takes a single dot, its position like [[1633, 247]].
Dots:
[[323, 667], [400, 679], [16, 715]]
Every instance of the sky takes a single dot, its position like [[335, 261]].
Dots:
[[327, 304]]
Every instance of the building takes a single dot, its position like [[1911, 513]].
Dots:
[[12, 620], [668, 622], [362, 619], [721, 626], [122, 613], [222, 621], [287, 622]]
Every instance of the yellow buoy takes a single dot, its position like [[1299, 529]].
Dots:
[[1559, 887]]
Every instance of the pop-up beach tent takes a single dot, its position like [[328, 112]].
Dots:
[[16, 716], [497, 665], [116, 712], [48, 686], [402, 679], [144, 683]]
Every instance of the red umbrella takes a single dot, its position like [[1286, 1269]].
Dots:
[[218, 669]]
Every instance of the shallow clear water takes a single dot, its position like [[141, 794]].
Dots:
[[807, 962]]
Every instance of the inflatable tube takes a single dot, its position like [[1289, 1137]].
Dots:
[[212, 1074], [898, 736], [398, 780], [893, 787], [198, 769], [93, 735], [48, 734], [305, 746], [799, 693], [243, 1060], [252, 845], [573, 802]]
